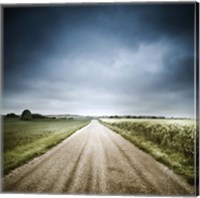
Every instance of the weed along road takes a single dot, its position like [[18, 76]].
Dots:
[[95, 160]]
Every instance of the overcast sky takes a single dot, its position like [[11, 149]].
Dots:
[[100, 60]]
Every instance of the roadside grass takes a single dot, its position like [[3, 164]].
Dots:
[[169, 141], [24, 140]]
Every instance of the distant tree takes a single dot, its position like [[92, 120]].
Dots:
[[12, 115], [115, 116], [26, 115], [38, 116]]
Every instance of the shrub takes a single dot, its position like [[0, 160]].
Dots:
[[12, 115], [38, 116], [26, 115]]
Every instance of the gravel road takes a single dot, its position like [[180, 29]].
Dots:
[[95, 160]]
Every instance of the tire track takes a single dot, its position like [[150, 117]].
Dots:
[[173, 180], [89, 180], [134, 167], [95, 160], [19, 180], [64, 171], [71, 179]]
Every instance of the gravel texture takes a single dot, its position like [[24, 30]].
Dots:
[[95, 160]]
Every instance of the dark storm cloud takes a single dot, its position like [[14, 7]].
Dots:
[[100, 59], [182, 76]]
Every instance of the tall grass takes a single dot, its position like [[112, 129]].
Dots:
[[169, 141], [23, 140]]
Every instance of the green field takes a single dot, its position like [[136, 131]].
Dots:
[[23, 140], [170, 141]]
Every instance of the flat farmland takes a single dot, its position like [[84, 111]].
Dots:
[[170, 141], [96, 160], [24, 140]]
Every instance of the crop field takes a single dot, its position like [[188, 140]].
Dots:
[[23, 140], [170, 141]]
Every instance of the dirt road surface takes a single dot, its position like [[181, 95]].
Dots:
[[95, 160]]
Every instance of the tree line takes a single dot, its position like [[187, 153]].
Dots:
[[26, 115]]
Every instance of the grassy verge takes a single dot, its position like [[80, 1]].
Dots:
[[169, 142], [24, 140]]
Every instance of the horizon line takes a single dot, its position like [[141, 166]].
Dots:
[[104, 115]]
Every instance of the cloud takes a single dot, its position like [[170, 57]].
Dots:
[[122, 59]]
